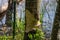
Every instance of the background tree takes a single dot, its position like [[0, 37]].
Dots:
[[48, 9], [9, 13], [56, 23]]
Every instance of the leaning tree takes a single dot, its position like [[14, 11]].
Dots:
[[5, 9]]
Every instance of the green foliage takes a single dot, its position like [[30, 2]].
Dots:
[[19, 37], [41, 17], [6, 37], [19, 29], [38, 36]]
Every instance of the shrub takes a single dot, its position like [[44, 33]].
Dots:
[[38, 36]]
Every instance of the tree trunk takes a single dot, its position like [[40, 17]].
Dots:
[[9, 13], [32, 18], [56, 23], [3, 8]]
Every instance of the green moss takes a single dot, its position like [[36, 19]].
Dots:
[[30, 21]]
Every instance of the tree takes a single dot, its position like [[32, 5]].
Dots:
[[3, 8], [9, 13], [56, 23], [6, 10], [32, 17]]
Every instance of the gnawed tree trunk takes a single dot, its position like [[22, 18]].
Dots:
[[32, 17], [56, 23]]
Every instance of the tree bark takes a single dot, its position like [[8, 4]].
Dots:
[[9, 13], [32, 17]]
